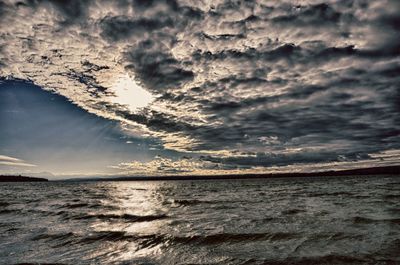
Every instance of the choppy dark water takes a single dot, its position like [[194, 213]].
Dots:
[[276, 221]]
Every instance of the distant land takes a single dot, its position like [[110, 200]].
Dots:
[[371, 171], [19, 178]]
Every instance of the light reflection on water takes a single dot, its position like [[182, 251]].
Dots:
[[139, 200], [302, 221]]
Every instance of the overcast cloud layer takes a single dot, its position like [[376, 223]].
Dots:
[[243, 83]]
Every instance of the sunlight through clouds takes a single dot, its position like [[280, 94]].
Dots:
[[128, 93]]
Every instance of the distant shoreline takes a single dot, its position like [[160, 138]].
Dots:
[[371, 171], [388, 170], [19, 178]]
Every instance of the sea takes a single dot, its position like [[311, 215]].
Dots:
[[318, 220]]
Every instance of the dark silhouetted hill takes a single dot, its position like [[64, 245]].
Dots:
[[19, 178]]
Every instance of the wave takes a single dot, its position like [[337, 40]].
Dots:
[[320, 260], [292, 211], [364, 220], [221, 205], [91, 238], [4, 204], [87, 205], [392, 196], [237, 238], [6, 211], [335, 236], [189, 202], [339, 193], [41, 263], [229, 238], [129, 217], [147, 241], [107, 236], [75, 205], [53, 236], [391, 249], [394, 210], [186, 202]]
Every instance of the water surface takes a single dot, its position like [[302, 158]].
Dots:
[[347, 220]]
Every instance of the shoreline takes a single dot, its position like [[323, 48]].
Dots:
[[371, 171]]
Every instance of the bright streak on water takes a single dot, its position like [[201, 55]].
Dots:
[[276, 221]]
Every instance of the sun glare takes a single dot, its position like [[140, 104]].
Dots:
[[127, 92]]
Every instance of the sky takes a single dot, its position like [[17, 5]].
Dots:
[[149, 87]]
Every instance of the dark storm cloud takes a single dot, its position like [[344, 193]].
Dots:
[[286, 51], [68, 11], [271, 159], [121, 27], [158, 121], [331, 115], [72, 10], [310, 15], [93, 67], [276, 82], [150, 36], [156, 68]]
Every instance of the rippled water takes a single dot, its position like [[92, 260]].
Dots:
[[273, 221]]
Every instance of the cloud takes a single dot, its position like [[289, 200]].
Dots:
[[162, 165], [256, 163], [13, 162], [115, 28], [16, 164], [228, 77]]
